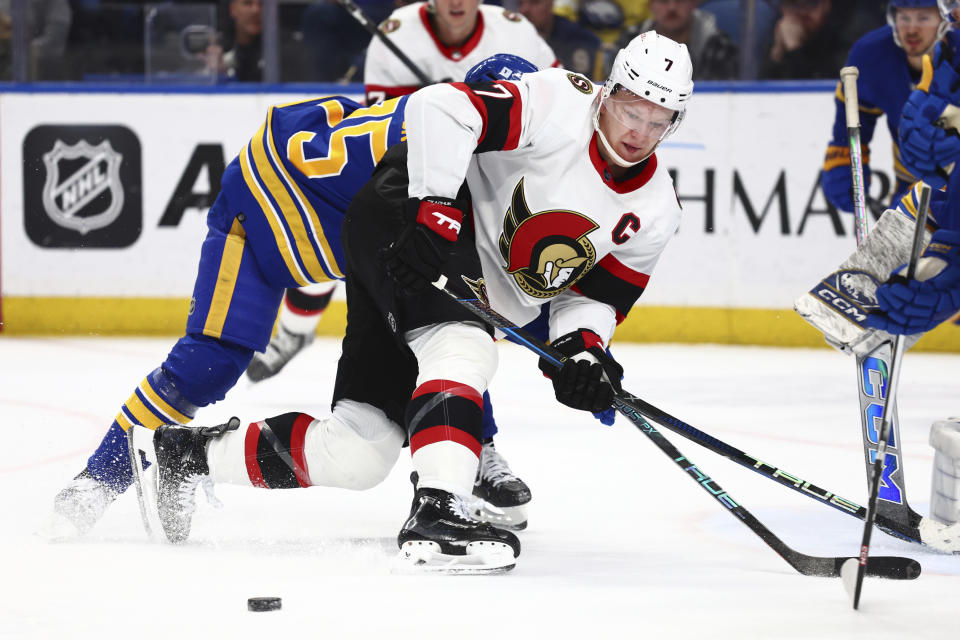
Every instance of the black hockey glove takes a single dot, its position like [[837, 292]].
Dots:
[[587, 384], [416, 258]]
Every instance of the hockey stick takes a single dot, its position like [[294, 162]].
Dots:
[[873, 368], [885, 567], [898, 343], [365, 22]]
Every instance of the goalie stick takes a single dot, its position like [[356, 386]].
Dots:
[[885, 567], [873, 368], [853, 580], [367, 24]]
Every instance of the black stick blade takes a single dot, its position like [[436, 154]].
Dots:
[[889, 567]]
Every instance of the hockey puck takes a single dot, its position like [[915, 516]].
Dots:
[[263, 604]]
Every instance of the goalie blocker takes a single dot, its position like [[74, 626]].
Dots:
[[838, 305]]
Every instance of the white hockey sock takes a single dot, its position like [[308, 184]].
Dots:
[[446, 465], [303, 321], [355, 448]]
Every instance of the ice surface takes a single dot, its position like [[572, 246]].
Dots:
[[621, 542]]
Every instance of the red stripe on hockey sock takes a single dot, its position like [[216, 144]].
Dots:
[[297, 437], [444, 433], [250, 455], [299, 311], [449, 386]]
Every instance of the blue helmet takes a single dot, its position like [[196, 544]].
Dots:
[[501, 66], [918, 4]]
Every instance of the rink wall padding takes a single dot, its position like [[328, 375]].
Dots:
[[104, 191], [167, 317]]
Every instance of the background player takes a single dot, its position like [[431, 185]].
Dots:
[[513, 230], [910, 307], [889, 61], [445, 38]]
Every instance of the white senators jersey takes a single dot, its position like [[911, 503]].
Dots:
[[498, 31], [552, 225]]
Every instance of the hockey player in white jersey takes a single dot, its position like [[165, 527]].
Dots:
[[547, 189], [444, 39]]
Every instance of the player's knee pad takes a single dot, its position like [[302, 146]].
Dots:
[[355, 448], [459, 351], [203, 369], [945, 483]]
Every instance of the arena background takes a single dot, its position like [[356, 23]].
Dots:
[[756, 233]]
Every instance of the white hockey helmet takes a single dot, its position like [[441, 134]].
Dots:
[[654, 68]]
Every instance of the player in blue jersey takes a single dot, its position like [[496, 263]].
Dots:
[[930, 150], [274, 225], [889, 61]]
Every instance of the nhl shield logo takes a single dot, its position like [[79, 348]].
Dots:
[[82, 190], [82, 186]]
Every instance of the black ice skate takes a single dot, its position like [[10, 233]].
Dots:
[[440, 536], [78, 507], [281, 350], [502, 492], [181, 459]]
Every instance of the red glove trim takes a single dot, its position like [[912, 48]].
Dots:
[[440, 218]]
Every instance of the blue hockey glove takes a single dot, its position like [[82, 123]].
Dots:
[[925, 148], [837, 183], [941, 77], [584, 384], [416, 258], [916, 306]]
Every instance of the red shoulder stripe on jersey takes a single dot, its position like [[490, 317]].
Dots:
[[513, 136], [500, 109], [444, 433], [622, 271], [449, 386], [478, 104], [453, 53]]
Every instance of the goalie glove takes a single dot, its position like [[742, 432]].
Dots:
[[589, 378], [927, 150], [914, 306], [417, 257]]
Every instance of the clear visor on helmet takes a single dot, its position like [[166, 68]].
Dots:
[[643, 116]]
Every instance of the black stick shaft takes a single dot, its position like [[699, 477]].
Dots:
[[888, 567], [892, 385], [367, 24]]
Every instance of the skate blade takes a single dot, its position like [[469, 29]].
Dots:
[[145, 480], [513, 518], [480, 558]]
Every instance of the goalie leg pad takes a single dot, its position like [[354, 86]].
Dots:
[[945, 483], [838, 305]]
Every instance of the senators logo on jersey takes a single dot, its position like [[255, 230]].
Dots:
[[546, 252]]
